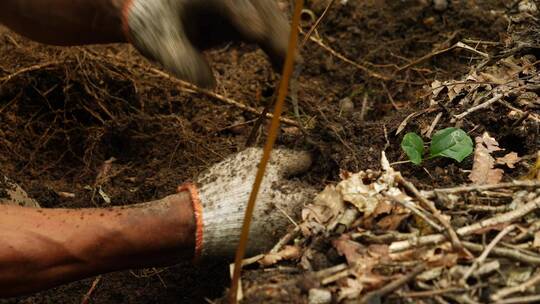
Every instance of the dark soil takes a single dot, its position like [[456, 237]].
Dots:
[[66, 111]]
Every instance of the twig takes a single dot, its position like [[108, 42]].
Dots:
[[331, 270], [418, 212], [479, 188], [480, 41], [364, 109], [251, 139], [393, 285], [487, 268], [531, 116], [431, 293], [349, 61], [336, 276], [219, 97], [504, 218], [86, 298], [520, 300], [462, 299], [317, 23], [439, 52], [506, 253], [480, 260], [484, 105], [434, 124], [30, 69], [285, 239], [456, 243], [531, 230], [388, 236], [483, 208], [392, 101], [503, 293]]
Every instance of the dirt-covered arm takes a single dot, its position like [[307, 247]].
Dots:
[[42, 248], [65, 22], [170, 32]]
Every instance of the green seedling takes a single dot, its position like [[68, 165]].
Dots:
[[452, 143]]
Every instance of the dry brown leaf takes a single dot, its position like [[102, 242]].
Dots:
[[483, 171], [509, 160], [351, 250], [404, 123], [384, 207], [287, 253], [491, 143], [436, 88], [392, 222], [367, 278], [364, 197], [326, 206], [379, 251], [454, 88], [441, 256]]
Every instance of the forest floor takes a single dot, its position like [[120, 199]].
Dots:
[[373, 71]]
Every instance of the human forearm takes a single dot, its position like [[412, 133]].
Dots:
[[41, 248], [65, 22], [170, 32]]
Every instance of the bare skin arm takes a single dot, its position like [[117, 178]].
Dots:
[[65, 22], [170, 32], [42, 248]]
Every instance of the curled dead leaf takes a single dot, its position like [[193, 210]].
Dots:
[[483, 171], [364, 197], [326, 206], [510, 160], [351, 250]]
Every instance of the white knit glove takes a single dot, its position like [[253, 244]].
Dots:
[[172, 32], [220, 198]]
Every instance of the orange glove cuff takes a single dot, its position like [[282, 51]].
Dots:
[[125, 24], [197, 213]]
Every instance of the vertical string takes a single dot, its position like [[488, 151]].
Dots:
[[272, 135]]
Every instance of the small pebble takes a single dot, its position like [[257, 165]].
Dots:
[[429, 21], [319, 296], [238, 125], [346, 105], [440, 5]]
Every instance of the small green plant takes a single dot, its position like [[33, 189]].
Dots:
[[451, 143]]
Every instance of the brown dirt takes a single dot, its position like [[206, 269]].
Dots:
[[75, 108]]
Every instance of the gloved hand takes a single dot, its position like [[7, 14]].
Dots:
[[220, 196], [173, 32]]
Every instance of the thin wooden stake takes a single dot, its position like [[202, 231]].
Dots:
[[272, 135]]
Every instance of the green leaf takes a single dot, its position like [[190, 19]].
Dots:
[[452, 143], [413, 145]]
